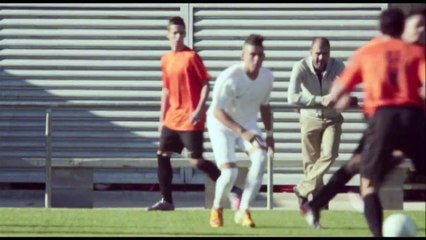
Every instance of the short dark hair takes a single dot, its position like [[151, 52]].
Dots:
[[255, 40], [392, 22], [176, 20], [322, 39]]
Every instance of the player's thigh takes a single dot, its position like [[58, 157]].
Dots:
[[193, 141], [249, 147], [223, 144], [380, 140], [170, 141]]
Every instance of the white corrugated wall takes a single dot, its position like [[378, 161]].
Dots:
[[82, 52], [111, 53]]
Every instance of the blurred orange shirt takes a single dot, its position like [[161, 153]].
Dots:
[[378, 39], [392, 72], [183, 75]]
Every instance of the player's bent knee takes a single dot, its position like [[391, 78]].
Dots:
[[229, 175], [194, 162], [398, 154], [228, 165], [368, 186], [258, 159], [164, 153]]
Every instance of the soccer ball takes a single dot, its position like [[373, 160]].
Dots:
[[399, 225]]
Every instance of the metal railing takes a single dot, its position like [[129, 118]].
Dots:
[[50, 106]]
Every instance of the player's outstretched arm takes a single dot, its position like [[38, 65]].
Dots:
[[164, 107], [199, 111]]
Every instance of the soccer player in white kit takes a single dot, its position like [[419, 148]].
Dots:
[[241, 91]]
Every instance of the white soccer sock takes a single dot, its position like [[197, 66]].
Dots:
[[254, 177], [224, 185]]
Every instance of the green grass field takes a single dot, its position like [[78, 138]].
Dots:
[[182, 222]]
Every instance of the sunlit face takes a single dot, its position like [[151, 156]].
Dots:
[[252, 57], [320, 53], [414, 29], [176, 35]]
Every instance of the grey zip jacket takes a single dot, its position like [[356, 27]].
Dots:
[[305, 88]]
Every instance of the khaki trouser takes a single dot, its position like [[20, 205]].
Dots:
[[320, 148]]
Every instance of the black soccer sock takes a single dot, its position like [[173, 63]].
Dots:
[[373, 213], [237, 190], [335, 185], [209, 168], [165, 177]]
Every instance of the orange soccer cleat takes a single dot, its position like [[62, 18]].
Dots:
[[216, 217], [243, 218]]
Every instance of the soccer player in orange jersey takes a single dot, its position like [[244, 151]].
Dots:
[[183, 113], [392, 72], [413, 32]]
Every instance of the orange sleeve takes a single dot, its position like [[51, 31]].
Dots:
[[199, 70], [352, 75], [422, 70]]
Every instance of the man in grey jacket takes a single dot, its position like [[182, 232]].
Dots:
[[321, 128]]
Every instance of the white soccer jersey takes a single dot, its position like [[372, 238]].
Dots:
[[239, 95]]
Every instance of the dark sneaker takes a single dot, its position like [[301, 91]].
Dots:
[[161, 206], [312, 216], [302, 200], [317, 225]]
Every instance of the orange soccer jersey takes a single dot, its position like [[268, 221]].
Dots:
[[183, 75], [392, 72]]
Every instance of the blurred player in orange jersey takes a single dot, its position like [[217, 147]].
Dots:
[[413, 33], [392, 73]]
